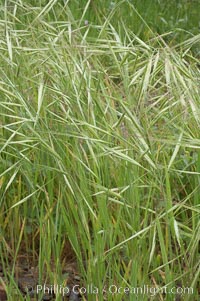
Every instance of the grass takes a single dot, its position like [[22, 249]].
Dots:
[[99, 146]]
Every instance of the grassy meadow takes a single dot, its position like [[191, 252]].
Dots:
[[100, 144]]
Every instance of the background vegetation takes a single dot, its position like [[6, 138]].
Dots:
[[99, 141]]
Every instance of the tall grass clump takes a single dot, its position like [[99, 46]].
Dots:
[[99, 148]]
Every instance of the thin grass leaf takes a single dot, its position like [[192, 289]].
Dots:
[[176, 150], [40, 100], [24, 199]]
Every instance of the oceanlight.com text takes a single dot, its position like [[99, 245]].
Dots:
[[113, 289]]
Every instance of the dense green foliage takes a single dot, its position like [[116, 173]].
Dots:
[[99, 141]]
